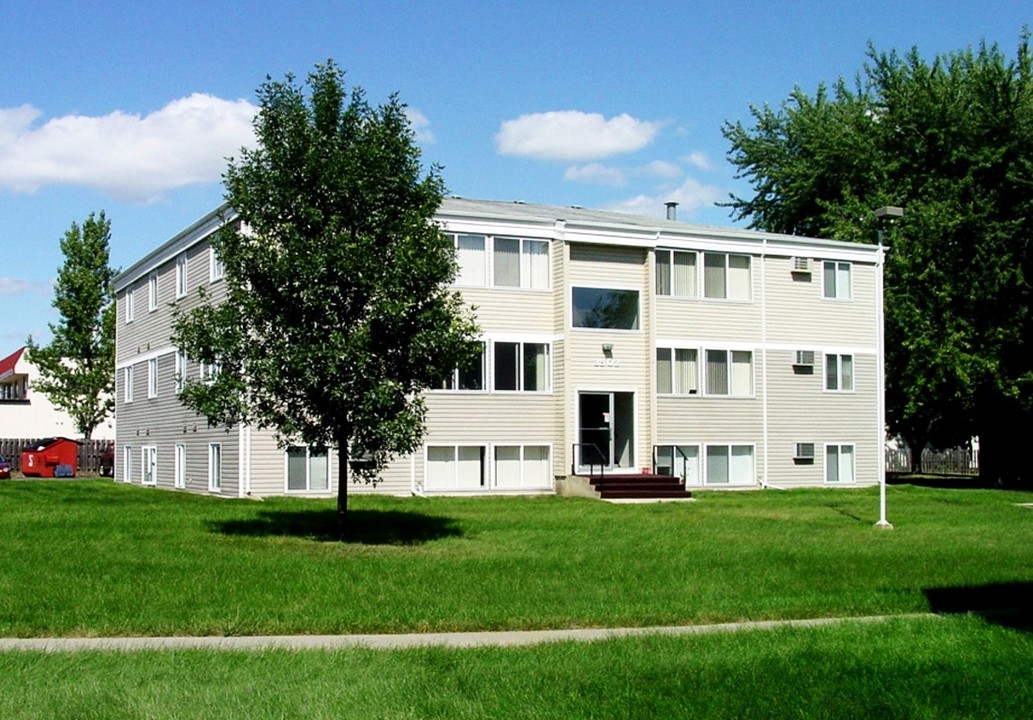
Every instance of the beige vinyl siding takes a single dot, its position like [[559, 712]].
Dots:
[[504, 310], [796, 311], [800, 410], [730, 321]]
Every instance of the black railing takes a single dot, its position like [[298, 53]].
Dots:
[[590, 448], [678, 450]]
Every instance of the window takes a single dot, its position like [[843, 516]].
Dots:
[[215, 467], [181, 275], [729, 378], [677, 371], [839, 463], [726, 276], [470, 378], [837, 283], [149, 465], [307, 469], [839, 372], [676, 273], [180, 469], [521, 366], [181, 369], [453, 467], [521, 263], [130, 305], [152, 378], [152, 292], [730, 465], [127, 464], [209, 371], [604, 308], [127, 381], [679, 460], [472, 260], [215, 269], [522, 466]]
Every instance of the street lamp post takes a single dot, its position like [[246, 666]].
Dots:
[[883, 214]]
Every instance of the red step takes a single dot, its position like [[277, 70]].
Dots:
[[642, 486]]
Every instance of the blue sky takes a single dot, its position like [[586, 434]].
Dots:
[[132, 107]]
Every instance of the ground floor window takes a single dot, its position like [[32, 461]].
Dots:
[[127, 464], [215, 467], [307, 469], [729, 465], [839, 463], [679, 460], [521, 466], [180, 469], [149, 465], [455, 467]]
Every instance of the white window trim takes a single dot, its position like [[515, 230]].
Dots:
[[152, 378], [700, 457], [308, 472], [492, 480], [485, 466], [209, 371], [705, 456], [839, 373], [181, 276], [149, 453], [524, 283], [701, 367], [181, 370], [702, 278], [216, 271], [485, 379], [825, 463], [214, 469], [839, 296], [130, 305], [127, 463], [180, 466], [520, 390], [127, 382], [700, 354], [670, 277], [152, 292]]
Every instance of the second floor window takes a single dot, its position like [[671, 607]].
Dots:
[[604, 308], [839, 372], [676, 273], [470, 378], [181, 275], [729, 372], [837, 281], [521, 263], [726, 277], [521, 366], [152, 292], [677, 371]]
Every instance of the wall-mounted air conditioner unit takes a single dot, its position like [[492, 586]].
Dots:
[[804, 358], [801, 265], [804, 452]]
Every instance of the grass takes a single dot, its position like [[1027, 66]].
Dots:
[[96, 558], [927, 668]]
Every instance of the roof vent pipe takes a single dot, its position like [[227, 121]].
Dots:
[[672, 209]]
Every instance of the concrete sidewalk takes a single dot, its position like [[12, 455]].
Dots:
[[393, 642]]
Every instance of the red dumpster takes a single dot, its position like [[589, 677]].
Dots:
[[51, 457]]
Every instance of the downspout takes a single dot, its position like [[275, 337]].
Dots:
[[764, 353]]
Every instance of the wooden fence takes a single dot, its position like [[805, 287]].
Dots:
[[956, 461], [94, 455]]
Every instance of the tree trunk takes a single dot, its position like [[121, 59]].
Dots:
[[342, 483]]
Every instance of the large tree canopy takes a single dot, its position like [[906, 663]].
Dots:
[[337, 311], [77, 368], [951, 141]]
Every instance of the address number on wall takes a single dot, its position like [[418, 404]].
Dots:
[[607, 362]]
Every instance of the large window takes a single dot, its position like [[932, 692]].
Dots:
[[452, 467], [677, 371], [521, 263], [469, 378], [676, 273], [605, 308], [149, 465], [730, 465], [839, 463], [521, 366], [729, 372], [308, 469], [839, 372], [181, 275], [726, 277], [215, 467], [522, 466], [472, 260], [837, 283]]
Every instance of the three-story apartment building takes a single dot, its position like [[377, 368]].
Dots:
[[733, 358]]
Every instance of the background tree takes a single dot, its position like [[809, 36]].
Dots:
[[77, 368], [338, 312], [952, 142]]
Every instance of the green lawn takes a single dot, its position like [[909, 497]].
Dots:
[[98, 558]]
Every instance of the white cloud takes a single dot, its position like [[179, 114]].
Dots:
[[596, 174], [698, 160], [12, 286], [691, 196], [131, 157], [572, 135], [420, 125], [662, 168]]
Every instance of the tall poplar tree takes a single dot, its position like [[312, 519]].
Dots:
[[77, 368], [338, 312]]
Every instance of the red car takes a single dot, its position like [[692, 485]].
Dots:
[[5, 468]]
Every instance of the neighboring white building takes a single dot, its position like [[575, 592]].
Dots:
[[29, 414], [734, 358]]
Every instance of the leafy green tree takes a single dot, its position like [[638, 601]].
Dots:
[[952, 142], [77, 368], [338, 312]]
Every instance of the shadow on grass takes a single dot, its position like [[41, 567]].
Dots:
[[1008, 604], [364, 527], [942, 482]]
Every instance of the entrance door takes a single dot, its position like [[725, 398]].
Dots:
[[606, 429]]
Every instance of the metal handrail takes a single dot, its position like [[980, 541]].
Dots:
[[677, 450], [591, 466]]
